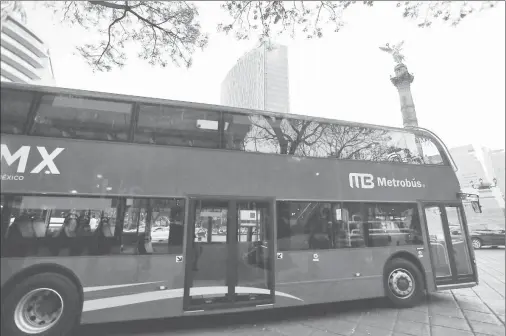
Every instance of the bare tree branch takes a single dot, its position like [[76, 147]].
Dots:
[[109, 35], [162, 31], [110, 5], [307, 16]]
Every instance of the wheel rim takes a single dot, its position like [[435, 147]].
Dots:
[[401, 283], [38, 310], [476, 243]]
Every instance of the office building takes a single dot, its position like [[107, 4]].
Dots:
[[497, 157], [477, 163], [24, 56], [259, 80]]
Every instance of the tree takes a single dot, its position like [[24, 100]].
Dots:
[[284, 136], [168, 31], [162, 31], [307, 138], [13, 6], [270, 18], [356, 143]]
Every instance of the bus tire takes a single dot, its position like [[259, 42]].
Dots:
[[45, 304], [403, 283]]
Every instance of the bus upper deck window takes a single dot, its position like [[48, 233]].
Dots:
[[14, 110]]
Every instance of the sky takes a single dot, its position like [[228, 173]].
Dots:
[[458, 90]]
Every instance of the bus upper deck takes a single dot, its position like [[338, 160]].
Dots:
[[75, 114]]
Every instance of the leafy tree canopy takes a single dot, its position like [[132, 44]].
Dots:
[[169, 31]]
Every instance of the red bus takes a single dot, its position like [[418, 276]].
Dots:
[[116, 208]]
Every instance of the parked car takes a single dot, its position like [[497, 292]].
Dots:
[[160, 233], [487, 235]]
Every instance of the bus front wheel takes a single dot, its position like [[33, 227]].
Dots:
[[44, 304], [403, 283]]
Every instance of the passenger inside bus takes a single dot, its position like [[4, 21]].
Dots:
[[21, 233], [56, 226], [320, 236], [104, 235]]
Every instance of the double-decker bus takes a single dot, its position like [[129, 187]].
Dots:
[[116, 208]]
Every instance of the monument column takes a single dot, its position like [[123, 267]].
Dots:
[[402, 81]]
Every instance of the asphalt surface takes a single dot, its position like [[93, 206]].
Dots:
[[462, 312]]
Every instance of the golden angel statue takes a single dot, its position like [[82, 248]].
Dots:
[[395, 51]]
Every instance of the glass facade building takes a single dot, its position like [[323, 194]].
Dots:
[[24, 56], [259, 80]]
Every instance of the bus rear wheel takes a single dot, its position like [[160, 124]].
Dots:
[[403, 283], [44, 304]]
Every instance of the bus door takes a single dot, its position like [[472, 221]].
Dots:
[[229, 253], [452, 256]]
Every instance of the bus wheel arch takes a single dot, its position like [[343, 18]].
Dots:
[[412, 258], [44, 268], [401, 270], [49, 281]]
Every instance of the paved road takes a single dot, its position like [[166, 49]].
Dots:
[[475, 311]]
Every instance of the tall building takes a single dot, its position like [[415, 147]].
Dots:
[[475, 163], [24, 56], [498, 157], [259, 80]]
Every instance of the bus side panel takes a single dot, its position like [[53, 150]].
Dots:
[[119, 288], [180, 171], [317, 276]]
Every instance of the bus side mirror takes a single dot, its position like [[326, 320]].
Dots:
[[476, 206]]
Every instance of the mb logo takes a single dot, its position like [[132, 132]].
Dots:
[[22, 155], [361, 181]]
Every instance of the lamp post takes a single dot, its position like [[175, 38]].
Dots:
[[492, 187], [483, 185]]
